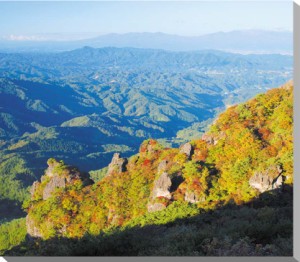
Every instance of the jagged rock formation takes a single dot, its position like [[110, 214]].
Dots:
[[162, 186], [187, 149], [149, 147], [162, 166], [55, 182], [57, 175], [32, 230], [50, 171], [34, 188], [117, 164], [267, 180], [212, 139], [161, 189], [191, 197]]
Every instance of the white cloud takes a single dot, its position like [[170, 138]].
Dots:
[[24, 38], [50, 36]]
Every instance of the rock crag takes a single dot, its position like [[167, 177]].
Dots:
[[267, 180], [57, 175], [117, 164]]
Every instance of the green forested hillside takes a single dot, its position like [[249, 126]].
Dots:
[[228, 193], [11, 234]]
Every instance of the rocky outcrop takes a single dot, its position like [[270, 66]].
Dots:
[[208, 139], [34, 188], [57, 175], [161, 194], [149, 147], [50, 171], [162, 186], [117, 164], [191, 197], [55, 182], [267, 180], [212, 139], [32, 230], [187, 149], [161, 190], [162, 166]]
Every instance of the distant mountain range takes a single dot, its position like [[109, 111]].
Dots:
[[245, 41]]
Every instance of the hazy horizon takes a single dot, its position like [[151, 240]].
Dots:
[[67, 36], [44, 21]]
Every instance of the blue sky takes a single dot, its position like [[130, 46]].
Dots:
[[21, 19]]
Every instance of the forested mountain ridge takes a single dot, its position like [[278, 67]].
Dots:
[[67, 64], [241, 169]]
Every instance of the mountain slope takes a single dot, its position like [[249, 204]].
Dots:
[[247, 151]]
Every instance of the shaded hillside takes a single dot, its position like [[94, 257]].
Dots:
[[262, 227], [247, 151]]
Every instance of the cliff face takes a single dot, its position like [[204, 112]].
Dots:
[[248, 150], [117, 164], [268, 179], [58, 175]]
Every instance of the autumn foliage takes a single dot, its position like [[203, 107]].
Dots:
[[245, 139]]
